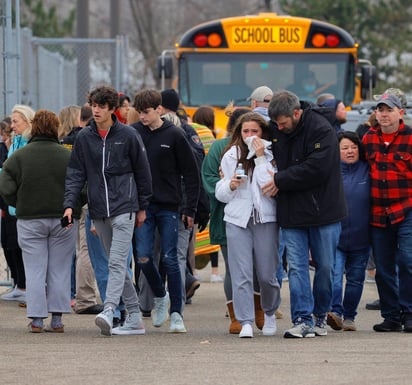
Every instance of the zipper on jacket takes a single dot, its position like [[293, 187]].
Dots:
[[315, 202], [106, 192]]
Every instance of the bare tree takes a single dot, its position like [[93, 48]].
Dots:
[[158, 25]]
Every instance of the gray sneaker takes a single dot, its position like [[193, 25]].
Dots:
[[349, 325], [300, 330], [104, 321], [176, 323], [133, 325], [160, 310], [320, 326]]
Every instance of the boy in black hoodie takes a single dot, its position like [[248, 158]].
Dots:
[[171, 159]]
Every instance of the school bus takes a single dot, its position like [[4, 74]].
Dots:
[[226, 59]]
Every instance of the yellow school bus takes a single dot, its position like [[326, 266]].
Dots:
[[226, 59]]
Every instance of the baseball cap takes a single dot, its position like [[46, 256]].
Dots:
[[390, 100], [260, 93], [397, 92]]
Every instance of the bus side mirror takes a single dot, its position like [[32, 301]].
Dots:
[[164, 67], [368, 80]]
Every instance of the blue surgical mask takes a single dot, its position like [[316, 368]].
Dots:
[[309, 87]]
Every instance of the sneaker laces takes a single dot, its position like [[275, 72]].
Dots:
[[321, 322]]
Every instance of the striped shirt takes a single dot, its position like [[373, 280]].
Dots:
[[390, 173], [205, 135]]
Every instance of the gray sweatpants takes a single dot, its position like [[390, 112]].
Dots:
[[256, 245], [47, 255], [116, 235]]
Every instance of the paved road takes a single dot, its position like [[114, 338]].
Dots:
[[207, 354]]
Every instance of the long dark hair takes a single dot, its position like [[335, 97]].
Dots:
[[236, 139]]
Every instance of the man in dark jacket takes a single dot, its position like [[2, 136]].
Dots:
[[111, 158], [310, 206], [171, 159]]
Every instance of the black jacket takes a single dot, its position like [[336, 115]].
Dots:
[[116, 169], [171, 158], [309, 178]]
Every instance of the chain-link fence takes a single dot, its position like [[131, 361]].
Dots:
[[54, 72]]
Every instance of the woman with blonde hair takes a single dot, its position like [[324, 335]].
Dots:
[[21, 124], [69, 117]]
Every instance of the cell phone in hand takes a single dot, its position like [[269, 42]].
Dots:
[[65, 221], [186, 223]]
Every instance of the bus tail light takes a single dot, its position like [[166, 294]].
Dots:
[[214, 40], [320, 40], [332, 40], [200, 40]]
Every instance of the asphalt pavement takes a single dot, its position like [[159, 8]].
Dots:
[[206, 354]]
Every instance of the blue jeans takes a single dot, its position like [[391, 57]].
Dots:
[[353, 265], [322, 242], [392, 249], [167, 224]]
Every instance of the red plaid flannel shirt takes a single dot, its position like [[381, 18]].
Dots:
[[391, 175]]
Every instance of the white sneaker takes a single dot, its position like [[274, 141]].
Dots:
[[133, 325], [14, 295], [104, 321], [269, 327], [246, 332], [160, 310], [176, 323], [216, 278]]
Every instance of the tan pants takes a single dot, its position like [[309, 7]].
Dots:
[[85, 279]]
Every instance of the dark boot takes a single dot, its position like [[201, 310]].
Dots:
[[259, 313], [388, 326]]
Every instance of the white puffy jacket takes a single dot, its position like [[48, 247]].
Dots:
[[247, 200]]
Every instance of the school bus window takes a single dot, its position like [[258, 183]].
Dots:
[[216, 73]]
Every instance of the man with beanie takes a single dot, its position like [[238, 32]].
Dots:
[[338, 107], [170, 105]]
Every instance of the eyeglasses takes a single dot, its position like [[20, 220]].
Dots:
[[266, 101]]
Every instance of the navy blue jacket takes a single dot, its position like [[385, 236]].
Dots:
[[116, 169], [355, 227]]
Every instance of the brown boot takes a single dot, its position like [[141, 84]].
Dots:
[[259, 313], [235, 327]]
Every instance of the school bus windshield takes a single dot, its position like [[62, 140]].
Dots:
[[218, 78]]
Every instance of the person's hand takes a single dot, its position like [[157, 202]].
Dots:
[[188, 222], [68, 213], [270, 189], [140, 218], [221, 173], [202, 221], [236, 181], [93, 229], [258, 146]]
